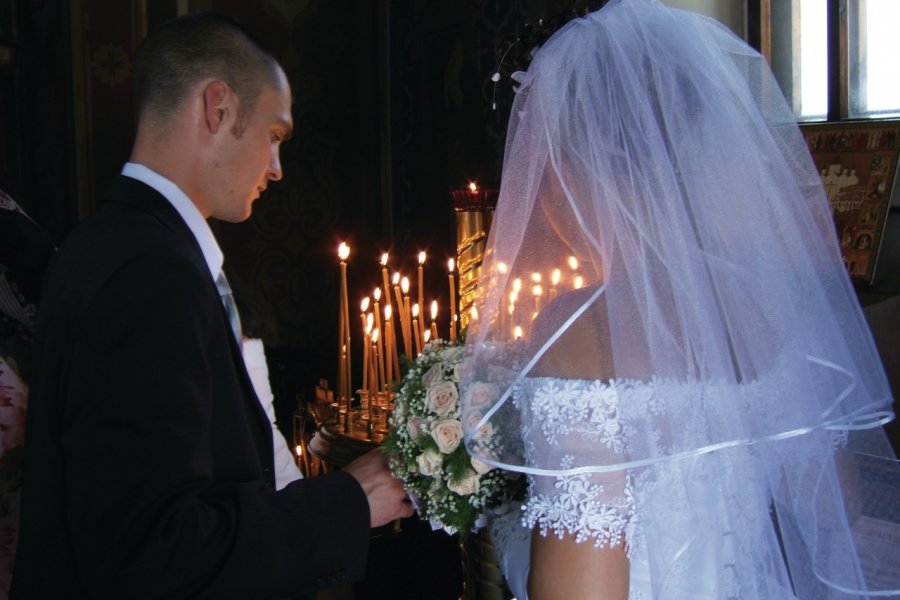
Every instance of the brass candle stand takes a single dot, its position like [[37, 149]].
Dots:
[[352, 430], [474, 209]]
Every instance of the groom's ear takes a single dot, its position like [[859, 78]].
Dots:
[[218, 105]]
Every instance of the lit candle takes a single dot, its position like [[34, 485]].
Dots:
[[415, 326], [400, 313], [573, 263], [421, 288], [376, 293], [473, 187], [384, 279], [379, 356], [554, 282], [537, 291], [579, 282], [363, 307], [427, 335], [407, 333], [393, 365], [373, 383], [517, 332], [434, 307], [345, 378], [451, 264], [373, 362], [513, 296]]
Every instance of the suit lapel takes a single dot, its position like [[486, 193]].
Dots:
[[140, 196]]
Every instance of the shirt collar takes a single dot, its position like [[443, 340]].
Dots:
[[188, 211]]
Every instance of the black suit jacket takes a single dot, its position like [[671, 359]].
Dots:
[[148, 457]]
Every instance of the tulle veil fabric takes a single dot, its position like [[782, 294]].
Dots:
[[661, 223]]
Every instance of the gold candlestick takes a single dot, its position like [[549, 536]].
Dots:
[[474, 209]]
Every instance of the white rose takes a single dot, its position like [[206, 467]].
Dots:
[[447, 433], [416, 427], [429, 462], [465, 486], [433, 376], [480, 394], [485, 432], [480, 467], [442, 397]]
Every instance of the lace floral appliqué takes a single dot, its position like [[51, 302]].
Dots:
[[589, 506], [576, 509]]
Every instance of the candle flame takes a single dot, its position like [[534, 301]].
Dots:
[[555, 277], [377, 294], [415, 310], [364, 305], [579, 282], [343, 251], [388, 312], [474, 313], [375, 336], [537, 290], [451, 265], [298, 450], [513, 296], [573, 263], [536, 277], [384, 259], [404, 285], [473, 187], [502, 268], [422, 258], [511, 309], [517, 332], [396, 278], [517, 285], [427, 335], [433, 310], [370, 322]]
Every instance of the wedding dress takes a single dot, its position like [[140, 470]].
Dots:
[[685, 369]]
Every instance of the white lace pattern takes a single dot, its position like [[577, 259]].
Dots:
[[565, 415]]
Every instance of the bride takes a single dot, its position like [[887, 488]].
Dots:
[[701, 418]]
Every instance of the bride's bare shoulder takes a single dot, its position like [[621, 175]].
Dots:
[[582, 349]]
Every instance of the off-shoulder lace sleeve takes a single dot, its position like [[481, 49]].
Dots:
[[562, 418]]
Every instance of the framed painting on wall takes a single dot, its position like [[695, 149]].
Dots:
[[857, 161]]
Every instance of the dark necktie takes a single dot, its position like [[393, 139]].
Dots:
[[230, 307]]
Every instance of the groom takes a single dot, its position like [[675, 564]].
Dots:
[[148, 457]]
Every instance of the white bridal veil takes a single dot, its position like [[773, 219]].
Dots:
[[660, 223]]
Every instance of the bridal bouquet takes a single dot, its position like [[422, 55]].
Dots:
[[425, 445]]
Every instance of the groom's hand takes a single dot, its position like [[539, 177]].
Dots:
[[386, 496]]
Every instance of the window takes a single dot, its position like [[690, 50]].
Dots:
[[834, 59]]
